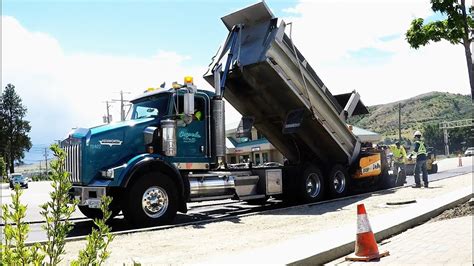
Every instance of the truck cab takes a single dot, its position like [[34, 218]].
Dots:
[[169, 152]]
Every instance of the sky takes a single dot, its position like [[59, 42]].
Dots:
[[66, 58]]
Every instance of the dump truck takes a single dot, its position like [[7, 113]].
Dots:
[[166, 155]]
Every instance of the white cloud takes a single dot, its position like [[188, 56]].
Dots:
[[62, 91], [329, 34]]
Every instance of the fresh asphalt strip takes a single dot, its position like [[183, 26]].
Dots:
[[228, 218], [339, 241]]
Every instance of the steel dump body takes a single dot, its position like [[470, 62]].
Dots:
[[269, 78]]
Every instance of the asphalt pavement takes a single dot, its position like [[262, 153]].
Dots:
[[38, 193]]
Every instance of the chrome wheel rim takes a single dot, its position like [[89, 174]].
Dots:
[[155, 202], [339, 182], [313, 185]]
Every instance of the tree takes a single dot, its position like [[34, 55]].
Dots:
[[457, 28], [2, 168], [434, 137], [14, 130]]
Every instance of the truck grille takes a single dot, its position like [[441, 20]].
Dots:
[[73, 162]]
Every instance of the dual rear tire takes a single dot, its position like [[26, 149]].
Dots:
[[312, 185], [339, 181]]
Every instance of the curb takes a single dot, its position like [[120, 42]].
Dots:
[[390, 229], [331, 244]]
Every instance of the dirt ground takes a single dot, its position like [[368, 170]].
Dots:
[[191, 244], [464, 209]]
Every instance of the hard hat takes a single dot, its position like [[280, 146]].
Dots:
[[417, 133]]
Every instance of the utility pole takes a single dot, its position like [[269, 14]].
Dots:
[[107, 118], [400, 122], [446, 141], [46, 159], [122, 105]]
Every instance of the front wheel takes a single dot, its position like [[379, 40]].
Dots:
[[338, 181], [311, 185], [152, 200]]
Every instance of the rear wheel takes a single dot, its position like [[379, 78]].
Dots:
[[152, 200], [386, 180], [434, 169], [311, 185], [338, 181]]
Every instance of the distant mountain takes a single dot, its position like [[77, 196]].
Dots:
[[429, 108]]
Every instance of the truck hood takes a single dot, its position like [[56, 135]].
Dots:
[[118, 125], [112, 145]]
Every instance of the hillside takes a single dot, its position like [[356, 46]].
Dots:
[[429, 108]]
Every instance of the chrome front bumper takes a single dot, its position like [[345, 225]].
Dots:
[[89, 196]]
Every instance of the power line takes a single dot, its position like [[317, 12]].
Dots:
[[122, 105]]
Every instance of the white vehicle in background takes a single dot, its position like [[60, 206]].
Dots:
[[19, 179], [469, 151]]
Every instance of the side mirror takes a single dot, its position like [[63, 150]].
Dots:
[[188, 103], [244, 130], [188, 108]]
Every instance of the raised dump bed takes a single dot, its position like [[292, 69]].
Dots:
[[271, 81]]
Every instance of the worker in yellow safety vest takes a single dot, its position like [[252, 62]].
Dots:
[[421, 157], [196, 116], [400, 157]]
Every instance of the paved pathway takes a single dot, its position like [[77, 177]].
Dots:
[[445, 242]]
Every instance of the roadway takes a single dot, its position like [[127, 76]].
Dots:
[[38, 193]]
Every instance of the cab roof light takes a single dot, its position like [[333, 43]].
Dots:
[[188, 80]]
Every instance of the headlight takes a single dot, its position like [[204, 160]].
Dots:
[[109, 173], [112, 172]]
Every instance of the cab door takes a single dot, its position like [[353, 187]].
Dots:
[[192, 137]]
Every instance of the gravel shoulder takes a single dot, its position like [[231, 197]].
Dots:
[[192, 244], [465, 209]]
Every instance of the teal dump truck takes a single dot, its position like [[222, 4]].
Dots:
[[167, 155]]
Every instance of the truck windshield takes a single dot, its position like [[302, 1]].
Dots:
[[155, 106]]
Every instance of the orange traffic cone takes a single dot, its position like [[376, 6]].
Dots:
[[365, 246]]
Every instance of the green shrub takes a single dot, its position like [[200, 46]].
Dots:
[[15, 232], [57, 213], [95, 252]]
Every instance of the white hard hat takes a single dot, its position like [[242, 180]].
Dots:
[[417, 133]]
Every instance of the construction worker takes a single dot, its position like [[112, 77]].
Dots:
[[421, 157], [399, 157], [196, 116]]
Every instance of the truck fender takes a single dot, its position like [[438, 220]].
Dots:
[[151, 163]]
